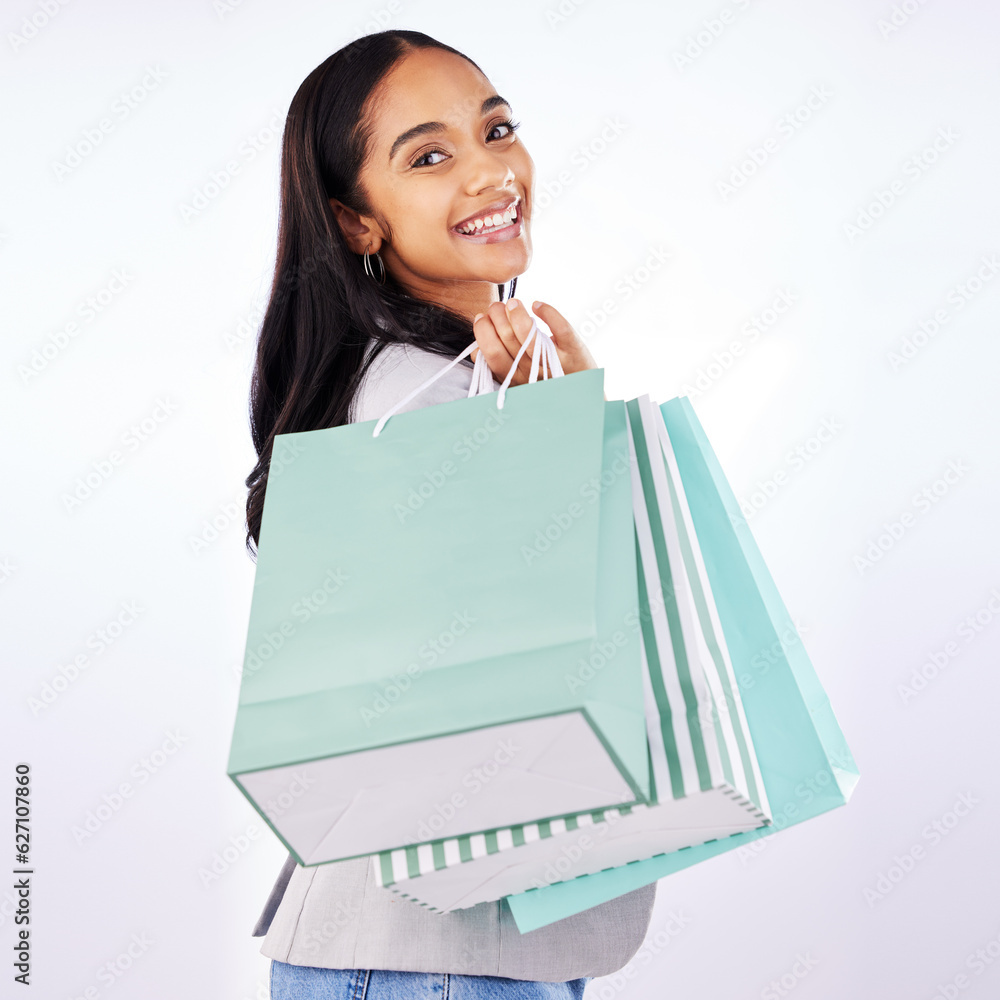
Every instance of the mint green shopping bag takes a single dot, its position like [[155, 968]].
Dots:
[[804, 759], [705, 781], [422, 599]]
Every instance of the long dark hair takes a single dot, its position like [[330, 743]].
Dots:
[[324, 312]]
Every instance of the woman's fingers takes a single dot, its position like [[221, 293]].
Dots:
[[490, 345], [521, 321], [511, 325], [555, 321], [573, 353], [502, 329], [500, 332]]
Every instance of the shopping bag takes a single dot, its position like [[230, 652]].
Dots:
[[806, 764], [707, 784], [423, 588]]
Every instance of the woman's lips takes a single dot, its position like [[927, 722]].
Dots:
[[498, 235]]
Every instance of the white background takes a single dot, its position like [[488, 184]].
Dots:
[[173, 347]]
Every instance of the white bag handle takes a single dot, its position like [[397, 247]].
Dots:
[[482, 379], [548, 349]]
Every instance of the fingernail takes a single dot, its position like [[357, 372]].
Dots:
[[510, 304], [536, 304], [477, 317]]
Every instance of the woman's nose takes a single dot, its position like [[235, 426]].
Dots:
[[488, 168]]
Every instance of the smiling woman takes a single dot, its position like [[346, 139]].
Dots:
[[398, 147], [442, 152]]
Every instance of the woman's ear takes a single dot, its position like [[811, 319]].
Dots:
[[356, 231]]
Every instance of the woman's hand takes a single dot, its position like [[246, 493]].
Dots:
[[501, 330]]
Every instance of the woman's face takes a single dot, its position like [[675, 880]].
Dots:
[[440, 156]]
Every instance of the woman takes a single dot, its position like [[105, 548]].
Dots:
[[405, 208]]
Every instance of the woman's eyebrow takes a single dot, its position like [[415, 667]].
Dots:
[[428, 127]]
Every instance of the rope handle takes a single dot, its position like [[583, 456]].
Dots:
[[482, 379]]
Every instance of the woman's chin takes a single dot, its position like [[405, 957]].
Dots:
[[514, 265], [499, 262]]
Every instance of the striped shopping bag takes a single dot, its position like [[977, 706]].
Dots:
[[803, 755]]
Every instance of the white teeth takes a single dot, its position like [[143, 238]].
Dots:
[[491, 222]]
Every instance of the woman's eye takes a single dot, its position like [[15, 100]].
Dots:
[[511, 126], [430, 152]]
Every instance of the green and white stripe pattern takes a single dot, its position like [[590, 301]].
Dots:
[[696, 728], [404, 863], [698, 732]]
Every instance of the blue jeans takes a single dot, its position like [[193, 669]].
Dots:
[[305, 982]]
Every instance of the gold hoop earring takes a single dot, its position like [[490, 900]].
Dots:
[[370, 270]]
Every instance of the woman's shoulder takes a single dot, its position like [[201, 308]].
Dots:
[[401, 368]]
